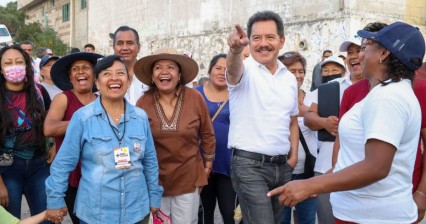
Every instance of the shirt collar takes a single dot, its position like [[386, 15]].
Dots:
[[259, 65], [99, 110]]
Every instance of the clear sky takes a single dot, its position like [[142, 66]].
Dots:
[[4, 2]]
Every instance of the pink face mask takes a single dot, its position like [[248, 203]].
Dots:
[[15, 73]]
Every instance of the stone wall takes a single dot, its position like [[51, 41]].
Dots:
[[202, 26]]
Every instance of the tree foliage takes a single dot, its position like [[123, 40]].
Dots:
[[11, 17], [34, 32]]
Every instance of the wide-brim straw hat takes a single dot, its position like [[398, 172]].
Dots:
[[60, 69], [143, 67]]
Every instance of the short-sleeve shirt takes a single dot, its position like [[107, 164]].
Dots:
[[390, 114], [261, 106], [359, 90]]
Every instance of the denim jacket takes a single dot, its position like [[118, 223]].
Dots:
[[105, 194]]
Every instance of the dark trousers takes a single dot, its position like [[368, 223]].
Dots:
[[220, 189], [70, 196]]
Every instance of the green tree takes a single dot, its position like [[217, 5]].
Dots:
[[11, 17], [34, 32]]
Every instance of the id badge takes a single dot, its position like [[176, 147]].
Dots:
[[122, 158]]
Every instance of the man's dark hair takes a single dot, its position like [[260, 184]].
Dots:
[[374, 27], [26, 42], [327, 51], [90, 46], [125, 28], [266, 16]]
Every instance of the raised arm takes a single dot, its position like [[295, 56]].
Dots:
[[234, 60]]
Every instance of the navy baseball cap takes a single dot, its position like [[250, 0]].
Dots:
[[46, 59], [404, 41]]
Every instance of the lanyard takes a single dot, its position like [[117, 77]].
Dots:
[[21, 114], [110, 125]]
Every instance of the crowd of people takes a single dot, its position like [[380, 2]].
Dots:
[[114, 139]]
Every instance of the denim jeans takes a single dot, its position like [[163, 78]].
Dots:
[[26, 177], [252, 180], [306, 210]]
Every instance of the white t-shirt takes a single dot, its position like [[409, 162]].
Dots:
[[310, 139], [325, 154], [260, 109], [135, 91], [51, 89], [391, 114]]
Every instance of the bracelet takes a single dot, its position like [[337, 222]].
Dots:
[[421, 193], [235, 53]]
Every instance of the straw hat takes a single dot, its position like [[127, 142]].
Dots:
[[143, 67]]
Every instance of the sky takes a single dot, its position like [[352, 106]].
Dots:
[[4, 2]]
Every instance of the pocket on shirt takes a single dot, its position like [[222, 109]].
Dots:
[[137, 145], [103, 145]]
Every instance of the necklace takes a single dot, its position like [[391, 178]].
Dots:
[[117, 119], [112, 128], [219, 104]]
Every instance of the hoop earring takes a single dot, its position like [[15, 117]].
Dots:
[[380, 61]]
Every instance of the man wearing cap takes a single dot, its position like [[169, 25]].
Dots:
[[40, 53], [263, 131], [316, 123], [126, 44], [316, 74], [45, 66]]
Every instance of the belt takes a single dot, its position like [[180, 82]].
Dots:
[[278, 159]]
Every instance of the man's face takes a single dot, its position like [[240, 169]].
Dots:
[[326, 55], [353, 62], [126, 46], [265, 43], [27, 48], [89, 49]]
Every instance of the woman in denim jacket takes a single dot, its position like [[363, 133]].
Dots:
[[112, 139]]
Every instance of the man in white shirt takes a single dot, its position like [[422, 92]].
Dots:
[[126, 44], [263, 132]]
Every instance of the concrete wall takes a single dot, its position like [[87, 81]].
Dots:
[[202, 26]]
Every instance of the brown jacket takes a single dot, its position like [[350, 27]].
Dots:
[[177, 141]]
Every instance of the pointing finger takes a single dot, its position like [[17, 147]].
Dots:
[[240, 31]]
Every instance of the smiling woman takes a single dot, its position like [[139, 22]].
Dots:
[[112, 140], [74, 75], [179, 121]]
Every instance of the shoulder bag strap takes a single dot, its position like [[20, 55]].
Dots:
[[220, 108], [21, 114], [302, 140]]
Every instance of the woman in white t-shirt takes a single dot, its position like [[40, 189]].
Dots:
[[306, 210], [378, 137]]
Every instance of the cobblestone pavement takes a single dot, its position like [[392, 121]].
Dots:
[[26, 213], [67, 220]]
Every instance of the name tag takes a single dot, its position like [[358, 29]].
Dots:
[[122, 158]]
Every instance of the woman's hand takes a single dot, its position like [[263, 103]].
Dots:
[[291, 193], [154, 210], [4, 194], [51, 154], [208, 170], [56, 215], [420, 199]]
